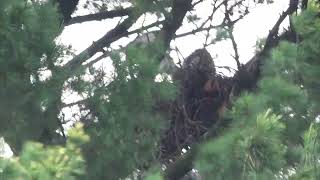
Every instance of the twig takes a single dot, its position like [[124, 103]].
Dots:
[[230, 27], [230, 32], [157, 23], [179, 54], [226, 67], [209, 19], [197, 31], [215, 8], [196, 3]]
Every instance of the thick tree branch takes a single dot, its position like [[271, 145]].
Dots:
[[272, 36], [172, 24], [100, 16], [118, 32]]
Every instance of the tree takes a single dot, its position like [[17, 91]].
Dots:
[[261, 123]]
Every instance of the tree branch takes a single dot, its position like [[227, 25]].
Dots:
[[172, 24], [100, 16], [118, 32], [196, 3], [235, 47], [230, 32], [198, 30], [73, 103], [274, 31], [107, 53], [249, 74]]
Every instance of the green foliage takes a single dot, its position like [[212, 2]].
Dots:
[[273, 129], [308, 25], [154, 174], [28, 32], [308, 169], [128, 126], [46, 163], [221, 34], [193, 18], [253, 151]]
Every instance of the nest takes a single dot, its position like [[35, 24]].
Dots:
[[202, 99]]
